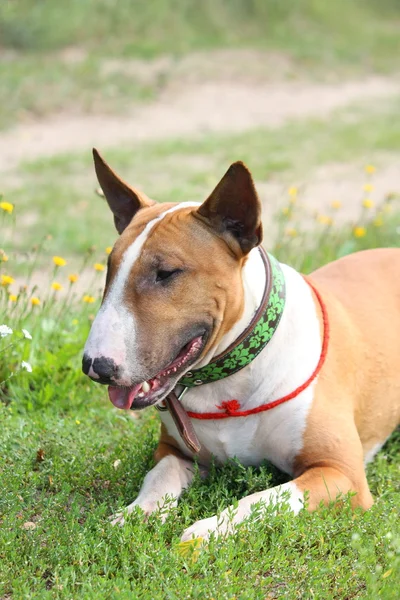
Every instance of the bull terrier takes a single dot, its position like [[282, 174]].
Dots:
[[244, 356]]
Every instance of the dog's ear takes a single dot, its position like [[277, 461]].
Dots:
[[233, 209], [123, 200]]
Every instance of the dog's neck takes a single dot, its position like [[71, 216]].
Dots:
[[286, 362], [254, 281]]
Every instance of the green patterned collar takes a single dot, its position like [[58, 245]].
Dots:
[[256, 336]]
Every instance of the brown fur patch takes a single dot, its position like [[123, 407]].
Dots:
[[167, 445], [357, 396]]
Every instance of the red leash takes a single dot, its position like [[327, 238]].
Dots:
[[231, 407]]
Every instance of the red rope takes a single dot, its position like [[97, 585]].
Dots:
[[231, 407]]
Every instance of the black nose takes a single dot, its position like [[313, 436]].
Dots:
[[86, 363], [104, 368]]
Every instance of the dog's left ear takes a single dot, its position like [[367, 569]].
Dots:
[[123, 199], [234, 210]]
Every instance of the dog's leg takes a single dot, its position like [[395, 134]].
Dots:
[[163, 485], [161, 488], [323, 483]]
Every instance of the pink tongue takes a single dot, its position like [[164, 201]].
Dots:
[[123, 397]]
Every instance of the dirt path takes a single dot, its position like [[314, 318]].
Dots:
[[187, 110]]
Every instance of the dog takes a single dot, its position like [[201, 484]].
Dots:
[[256, 361]]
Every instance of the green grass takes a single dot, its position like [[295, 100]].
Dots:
[[35, 86], [60, 438], [317, 38], [179, 170], [355, 30]]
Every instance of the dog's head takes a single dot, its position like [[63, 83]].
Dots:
[[174, 284]]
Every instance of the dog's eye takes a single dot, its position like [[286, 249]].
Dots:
[[163, 274]]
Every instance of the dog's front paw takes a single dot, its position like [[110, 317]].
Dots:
[[119, 518], [201, 529], [147, 507]]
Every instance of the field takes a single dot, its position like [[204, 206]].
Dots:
[[317, 123]]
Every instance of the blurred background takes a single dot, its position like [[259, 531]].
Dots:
[[307, 93]]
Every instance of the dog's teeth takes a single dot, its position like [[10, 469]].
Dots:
[[140, 395], [145, 387]]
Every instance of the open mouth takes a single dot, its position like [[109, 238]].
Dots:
[[150, 392]]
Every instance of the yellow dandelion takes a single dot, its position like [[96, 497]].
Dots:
[[336, 204], [359, 232], [368, 203], [77, 421], [56, 286], [35, 301], [291, 232], [88, 299], [108, 249], [368, 187], [324, 220], [286, 211], [12, 298], [98, 267], [7, 207], [73, 278], [190, 550], [378, 222], [292, 191], [370, 169], [59, 261], [74, 321], [3, 256], [6, 280]]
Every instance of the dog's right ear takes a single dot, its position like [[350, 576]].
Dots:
[[123, 200]]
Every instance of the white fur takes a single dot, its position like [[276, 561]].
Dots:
[[162, 486], [113, 332], [223, 524], [107, 335], [370, 454]]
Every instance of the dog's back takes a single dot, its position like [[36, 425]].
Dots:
[[362, 293]]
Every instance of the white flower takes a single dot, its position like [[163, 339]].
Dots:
[[5, 331], [27, 366], [26, 333]]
